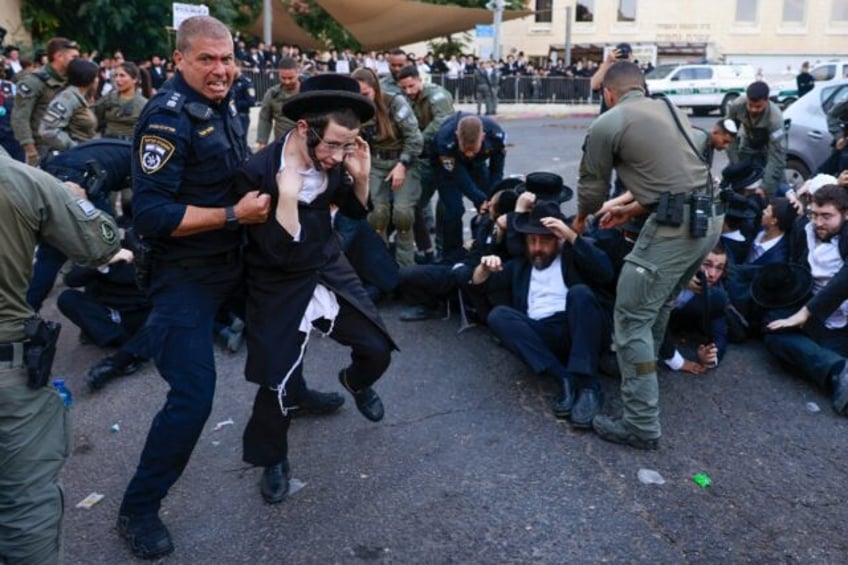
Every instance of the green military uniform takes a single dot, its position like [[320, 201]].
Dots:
[[35, 91], [116, 116], [271, 113], [385, 154], [640, 139], [762, 139], [389, 85], [68, 121], [432, 107], [34, 430]]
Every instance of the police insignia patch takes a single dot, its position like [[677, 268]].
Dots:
[[25, 89], [87, 207], [154, 153], [447, 163], [107, 232]]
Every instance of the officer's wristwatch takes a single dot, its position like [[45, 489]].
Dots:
[[406, 161], [232, 223]]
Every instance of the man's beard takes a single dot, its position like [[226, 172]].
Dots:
[[541, 261]]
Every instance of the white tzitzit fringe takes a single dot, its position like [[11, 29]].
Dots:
[[323, 304]]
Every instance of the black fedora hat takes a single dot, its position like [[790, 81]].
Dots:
[[740, 175], [327, 92], [546, 186], [531, 222], [781, 285], [741, 207]]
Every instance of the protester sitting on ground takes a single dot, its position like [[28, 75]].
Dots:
[[810, 334], [554, 323], [771, 245], [111, 312], [700, 309]]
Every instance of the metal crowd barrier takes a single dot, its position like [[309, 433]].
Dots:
[[512, 89]]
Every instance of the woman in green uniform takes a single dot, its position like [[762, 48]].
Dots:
[[395, 142], [69, 119], [118, 111]]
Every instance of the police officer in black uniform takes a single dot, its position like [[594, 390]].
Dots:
[[244, 97], [187, 144], [468, 154], [101, 166]]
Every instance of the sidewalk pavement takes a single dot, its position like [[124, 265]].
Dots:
[[528, 111]]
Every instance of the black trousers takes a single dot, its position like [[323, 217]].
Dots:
[[265, 440], [97, 322]]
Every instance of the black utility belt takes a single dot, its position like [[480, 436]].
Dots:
[[221, 259], [387, 154], [7, 350], [673, 209]]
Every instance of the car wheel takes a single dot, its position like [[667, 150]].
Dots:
[[728, 100], [796, 173]]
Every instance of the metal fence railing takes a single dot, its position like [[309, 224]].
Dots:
[[513, 89]]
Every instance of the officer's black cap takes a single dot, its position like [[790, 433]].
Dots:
[[325, 93], [740, 175]]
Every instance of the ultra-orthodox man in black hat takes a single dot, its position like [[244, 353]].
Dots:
[[298, 278]]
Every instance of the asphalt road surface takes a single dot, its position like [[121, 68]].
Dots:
[[469, 465]]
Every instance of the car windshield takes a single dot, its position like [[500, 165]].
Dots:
[[660, 71], [833, 95]]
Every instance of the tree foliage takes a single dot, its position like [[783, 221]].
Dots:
[[139, 28]]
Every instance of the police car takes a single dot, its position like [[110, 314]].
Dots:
[[703, 88]]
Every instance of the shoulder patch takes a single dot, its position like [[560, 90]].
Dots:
[[154, 152], [88, 209], [59, 106], [403, 112], [24, 89], [437, 95], [107, 232], [447, 163]]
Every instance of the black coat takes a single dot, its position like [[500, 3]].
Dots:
[[282, 273]]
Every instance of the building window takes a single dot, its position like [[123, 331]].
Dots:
[[793, 11], [839, 11], [544, 11], [746, 11], [626, 10], [585, 11]]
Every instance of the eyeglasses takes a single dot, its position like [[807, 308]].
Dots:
[[335, 146]]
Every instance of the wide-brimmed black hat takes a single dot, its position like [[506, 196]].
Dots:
[[531, 222], [507, 183], [740, 175], [741, 207], [327, 92], [546, 186], [781, 285]]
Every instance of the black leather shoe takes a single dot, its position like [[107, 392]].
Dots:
[[107, 369], [840, 391], [274, 485], [367, 400], [418, 313], [617, 431], [317, 403], [563, 405], [147, 536], [588, 405]]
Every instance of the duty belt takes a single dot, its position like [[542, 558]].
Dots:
[[12, 355], [387, 154]]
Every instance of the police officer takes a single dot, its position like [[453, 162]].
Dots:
[[34, 93], [762, 136], [468, 153], [244, 97], [432, 105], [101, 167], [7, 103], [187, 145], [397, 59], [118, 111], [395, 142], [648, 144], [69, 119], [34, 427], [271, 113]]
